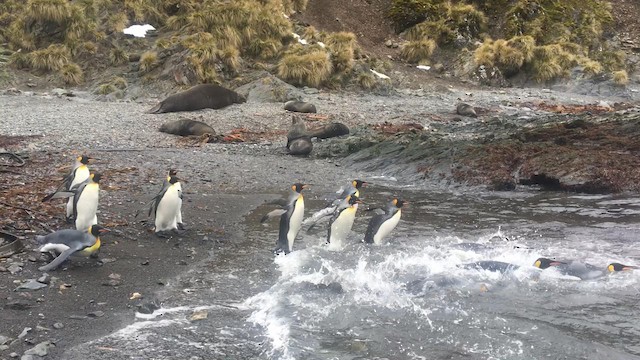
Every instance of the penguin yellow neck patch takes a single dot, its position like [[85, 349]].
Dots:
[[93, 248]]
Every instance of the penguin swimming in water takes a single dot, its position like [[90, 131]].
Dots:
[[85, 202], [352, 189], [380, 226], [78, 174], [490, 265], [290, 219], [166, 207], [342, 220], [69, 242], [577, 269], [615, 267]]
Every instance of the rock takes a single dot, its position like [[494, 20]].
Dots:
[[465, 109], [145, 263], [13, 355], [27, 357], [42, 349], [19, 305], [58, 325], [78, 317], [108, 260], [4, 347], [388, 43], [148, 307], [3, 269], [112, 282], [45, 279], [96, 314], [269, 88], [31, 285], [199, 315], [62, 92], [14, 269], [24, 332], [308, 90], [32, 258], [4, 339]]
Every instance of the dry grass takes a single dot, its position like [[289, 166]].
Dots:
[[341, 46], [119, 82], [105, 89], [53, 57], [366, 80], [56, 11], [590, 67], [310, 69], [117, 22], [418, 50], [118, 56], [620, 77], [148, 61], [72, 74], [230, 57]]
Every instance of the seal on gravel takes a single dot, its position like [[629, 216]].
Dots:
[[203, 96], [329, 130], [298, 140], [186, 127], [299, 106], [465, 109]]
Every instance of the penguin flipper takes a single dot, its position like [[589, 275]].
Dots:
[[58, 260], [272, 214], [59, 195], [279, 202]]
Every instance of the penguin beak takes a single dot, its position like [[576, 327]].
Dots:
[[91, 160], [104, 231], [555, 263], [628, 267], [305, 186]]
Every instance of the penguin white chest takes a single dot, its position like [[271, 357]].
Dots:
[[295, 222], [341, 227], [80, 174], [87, 206], [167, 209], [57, 248], [387, 227]]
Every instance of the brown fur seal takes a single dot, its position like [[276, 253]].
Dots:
[[186, 127], [203, 96], [465, 109], [329, 130], [298, 141], [300, 106]]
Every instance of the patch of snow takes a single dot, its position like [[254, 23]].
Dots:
[[138, 30], [424, 67], [380, 75]]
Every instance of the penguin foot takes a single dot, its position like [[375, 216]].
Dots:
[[179, 231], [181, 226], [163, 234], [69, 220]]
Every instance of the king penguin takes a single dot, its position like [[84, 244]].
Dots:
[[85, 202], [165, 184], [342, 220], [352, 189], [69, 242], [614, 267], [290, 219], [78, 174], [166, 205], [380, 226]]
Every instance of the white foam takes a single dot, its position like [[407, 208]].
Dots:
[[138, 30]]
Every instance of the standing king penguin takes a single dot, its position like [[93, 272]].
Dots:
[[342, 220], [166, 206], [165, 185], [290, 219], [85, 202], [78, 174], [380, 226], [352, 189], [69, 242]]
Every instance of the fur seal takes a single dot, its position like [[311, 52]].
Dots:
[[299, 106], [298, 140], [203, 96], [329, 130], [186, 127], [465, 109]]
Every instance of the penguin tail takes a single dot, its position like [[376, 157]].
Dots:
[[40, 239]]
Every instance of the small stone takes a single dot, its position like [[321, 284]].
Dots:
[[4, 339], [32, 258], [114, 276], [199, 315], [146, 262], [112, 282], [27, 357], [108, 260], [45, 279], [148, 307], [96, 314], [58, 325], [4, 347], [42, 328], [24, 332], [388, 43], [31, 285], [18, 305], [135, 296], [42, 349], [3, 269], [78, 317], [13, 355], [14, 269], [182, 262]]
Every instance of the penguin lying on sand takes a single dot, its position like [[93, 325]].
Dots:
[[380, 226], [290, 219], [70, 242], [78, 174]]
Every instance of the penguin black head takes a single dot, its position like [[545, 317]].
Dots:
[[173, 172], [620, 267], [173, 179], [298, 187], [544, 263], [84, 159], [96, 177], [399, 203], [358, 184], [97, 230]]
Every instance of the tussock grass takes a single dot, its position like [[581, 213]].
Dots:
[[366, 80], [71, 74], [117, 22], [119, 82], [620, 77], [56, 11], [118, 56], [54, 57], [418, 50], [148, 61], [105, 89], [307, 69], [341, 46]]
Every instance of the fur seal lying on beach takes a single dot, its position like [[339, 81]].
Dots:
[[298, 140], [203, 96], [329, 130], [186, 127], [299, 106], [465, 109]]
